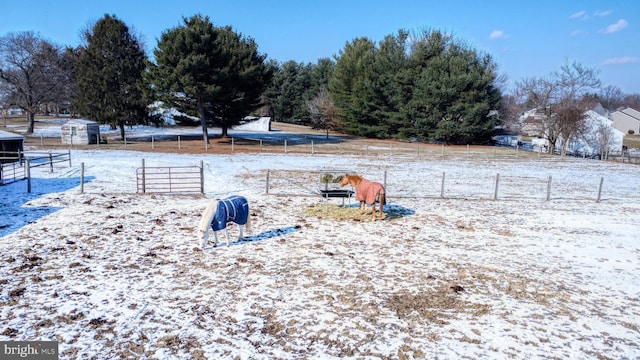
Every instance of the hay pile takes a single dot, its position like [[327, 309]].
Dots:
[[336, 212]]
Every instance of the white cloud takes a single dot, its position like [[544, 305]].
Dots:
[[619, 25], [497, 34], [579, 15], [603, 13], [578, 32], [621, 60]]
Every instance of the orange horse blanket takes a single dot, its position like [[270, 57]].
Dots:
[[368, 191]]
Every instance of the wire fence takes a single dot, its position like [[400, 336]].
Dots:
[[277, 143], [454, 185]]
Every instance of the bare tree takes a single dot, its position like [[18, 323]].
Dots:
[[570, 116], [30, 66], [509, 111], [557, 96], [323, 113], [605, 140], [632, 101], [611, 97]]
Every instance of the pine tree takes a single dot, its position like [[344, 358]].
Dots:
[[109, 76], [213, 73]]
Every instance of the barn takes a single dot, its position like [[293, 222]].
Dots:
[[80, 132], [11, 148], [10, 145]]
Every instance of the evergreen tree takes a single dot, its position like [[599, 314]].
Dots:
[[246, 77], [210, 72], [286, 93], [109, 75], [429, 87], [352, 89]]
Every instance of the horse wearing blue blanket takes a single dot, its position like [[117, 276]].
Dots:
[[219, 213]]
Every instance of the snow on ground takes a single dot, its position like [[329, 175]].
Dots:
[[111, 273]]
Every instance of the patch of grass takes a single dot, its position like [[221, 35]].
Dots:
[[631, 141]]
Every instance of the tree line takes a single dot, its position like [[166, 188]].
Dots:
[[424, 85]]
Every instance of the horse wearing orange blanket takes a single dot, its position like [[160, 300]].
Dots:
[[368, 192]]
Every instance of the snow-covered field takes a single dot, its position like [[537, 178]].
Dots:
[[111, 273]]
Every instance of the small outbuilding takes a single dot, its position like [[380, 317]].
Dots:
[[11, 145], [11, 148], [80, 132]]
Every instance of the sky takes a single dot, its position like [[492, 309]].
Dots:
[[525, 38]]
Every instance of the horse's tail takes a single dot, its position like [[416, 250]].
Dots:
[[382, 199], [205, 221]]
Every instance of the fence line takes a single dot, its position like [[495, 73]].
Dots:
[[17, 165], [11, 172], [440, 185]]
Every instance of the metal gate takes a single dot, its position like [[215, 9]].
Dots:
[[170, 179]]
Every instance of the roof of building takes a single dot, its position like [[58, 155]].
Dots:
[[5, 135], [632, 112], [81, 122]]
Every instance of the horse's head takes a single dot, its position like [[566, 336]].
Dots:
[[345, 180], [205, 221], [351, 179]]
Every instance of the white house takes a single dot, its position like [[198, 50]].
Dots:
[[599, 138], [626, 120]]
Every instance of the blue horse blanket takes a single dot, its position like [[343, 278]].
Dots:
[[232, 209]]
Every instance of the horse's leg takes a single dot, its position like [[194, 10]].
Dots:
[[226, 232], [363, 207], [373, 210], [240, 236], [215, 237]]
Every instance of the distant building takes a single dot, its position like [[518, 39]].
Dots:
[[11, 148], [626, 120], [599, 137], [80, 132], [10, 145]]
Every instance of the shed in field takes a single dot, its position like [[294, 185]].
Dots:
[[10, 146], [80, 132]]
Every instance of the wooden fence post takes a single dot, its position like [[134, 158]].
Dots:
[[385, 179], [28, 169], [179, 144], [69, 155], [549, 188], [600, 189], [82, 178], [495, 191], [51, 161], [442, 186], [267, 189]]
